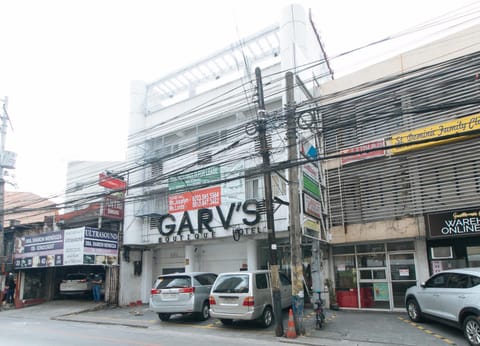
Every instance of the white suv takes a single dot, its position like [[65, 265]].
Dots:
[[451, 297], [182, 293]]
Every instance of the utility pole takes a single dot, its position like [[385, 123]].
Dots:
[[3, 130], [294, 210], [262, 128]]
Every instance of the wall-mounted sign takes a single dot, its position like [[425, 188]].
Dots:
[[311, 185], [196, 179], [76, 246], [311, 229], [453, 224], [204, 198], [111, 182], [363, 151], [8, 159], [432, 135], [311, 206]]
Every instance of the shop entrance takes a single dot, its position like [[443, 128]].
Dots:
[[374, 276]]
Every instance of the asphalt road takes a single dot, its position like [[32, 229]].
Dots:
[[85, 323]]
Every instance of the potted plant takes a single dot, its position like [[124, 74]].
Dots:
[[331, 294]]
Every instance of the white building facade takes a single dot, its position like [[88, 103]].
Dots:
[[199, 180]]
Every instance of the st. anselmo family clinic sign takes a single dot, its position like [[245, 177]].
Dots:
[[76, 246]]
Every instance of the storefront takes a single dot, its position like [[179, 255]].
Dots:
[[374, 275], [453, 239], [43, 260]]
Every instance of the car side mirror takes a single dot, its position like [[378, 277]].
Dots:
[[422, 285]]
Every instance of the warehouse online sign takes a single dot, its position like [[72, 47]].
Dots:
[[408, 140]]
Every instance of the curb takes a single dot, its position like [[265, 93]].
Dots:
[[103, 306]]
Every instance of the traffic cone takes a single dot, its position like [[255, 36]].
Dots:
[[291, 332]]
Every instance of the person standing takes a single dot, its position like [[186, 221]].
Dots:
[[10, 283], [96, 284]]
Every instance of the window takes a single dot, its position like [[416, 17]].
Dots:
[[438, 281], [279, 186], [474, 281], [261, 280], [206, 279], [232, 284], [285, 281], [254, 188], [457, 281], [368, 261]]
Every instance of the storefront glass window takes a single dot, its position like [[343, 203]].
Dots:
[[341, 250], [364, 248], [401, 246], [473, 254], [34, 286], [372, 260]]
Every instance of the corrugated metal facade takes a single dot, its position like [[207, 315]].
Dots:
[[441, 177]]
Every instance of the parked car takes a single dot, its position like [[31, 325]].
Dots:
[[247, 296], [80, 284], [451, 297], [182, 293], [75, 284]]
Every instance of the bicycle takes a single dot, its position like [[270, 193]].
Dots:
[[319, 313]]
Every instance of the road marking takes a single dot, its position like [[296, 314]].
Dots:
[[427, 331]]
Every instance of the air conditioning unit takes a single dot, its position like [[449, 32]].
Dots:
[[441, 252]]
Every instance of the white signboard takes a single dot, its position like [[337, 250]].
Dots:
[[73, 246], [8, 159]]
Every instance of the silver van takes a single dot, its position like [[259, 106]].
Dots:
[[247, 296], [182, 293]]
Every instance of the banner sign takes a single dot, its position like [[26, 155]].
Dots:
[[77, 246], [198, 178], [42, 250], [205, 198]]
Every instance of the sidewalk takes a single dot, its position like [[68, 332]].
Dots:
[[362, 328]]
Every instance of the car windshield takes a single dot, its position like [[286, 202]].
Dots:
[[173, 282], [231, 284], [76, 277]]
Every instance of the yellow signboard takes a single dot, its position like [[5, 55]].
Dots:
[[432, 135]]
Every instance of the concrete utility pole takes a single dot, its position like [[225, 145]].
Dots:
[[294, 210], [4, 117], [262, 122]]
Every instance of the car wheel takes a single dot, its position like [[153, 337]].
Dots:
[[226, 322], [413, 310], [204, 314], [164, 317], [267, 317], [471, 329]]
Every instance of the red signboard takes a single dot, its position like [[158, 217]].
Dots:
[[113, 207], [205, 198], [111, 182], [363, 151]]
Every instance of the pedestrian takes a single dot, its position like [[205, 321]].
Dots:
[[96, 284], [10, 283]]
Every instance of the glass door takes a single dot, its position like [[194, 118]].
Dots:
[[402, 271], [373, 284]]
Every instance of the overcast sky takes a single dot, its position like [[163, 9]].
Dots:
[[66, 65]]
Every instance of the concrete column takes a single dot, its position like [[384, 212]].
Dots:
[[252, 258], [189, 258], [147, 275], [133, 233]]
